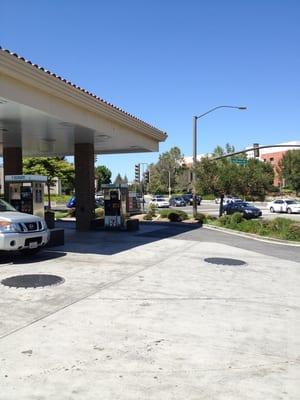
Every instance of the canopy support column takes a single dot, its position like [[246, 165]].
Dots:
[[84, 185]]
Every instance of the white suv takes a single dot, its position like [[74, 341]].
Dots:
[[284, 205], [20, 231]]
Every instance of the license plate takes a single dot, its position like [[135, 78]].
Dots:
[[33, 245]]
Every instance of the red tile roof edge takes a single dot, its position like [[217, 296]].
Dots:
[[81, 89]]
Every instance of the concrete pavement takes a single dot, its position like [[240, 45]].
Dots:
[[144, 316]]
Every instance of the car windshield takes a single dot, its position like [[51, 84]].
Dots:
[[291, 202], [6, 206]]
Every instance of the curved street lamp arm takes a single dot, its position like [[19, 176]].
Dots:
[[216, 108]]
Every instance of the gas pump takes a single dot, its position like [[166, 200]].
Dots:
[[26, 193], [115, 206]]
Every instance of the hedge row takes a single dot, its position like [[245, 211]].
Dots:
[[281, 228]]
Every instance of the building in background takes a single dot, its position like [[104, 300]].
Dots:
[[188, 161], [274, 155]]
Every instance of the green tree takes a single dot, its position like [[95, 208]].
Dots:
[[290, 169], [166, 171], [218, 151], [103, 176], [119, 179], [52, 167], [207, 177], [254, 179]]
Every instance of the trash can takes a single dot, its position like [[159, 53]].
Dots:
[[50, 219]]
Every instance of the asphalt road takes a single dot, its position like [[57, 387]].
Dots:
[[261, 246], [213, 209]]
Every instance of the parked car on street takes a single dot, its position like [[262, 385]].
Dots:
[[99, 202], [19, 231], [157, 196], [227, 199], [188, 198], [248, 210], [289, 206], [159, 202], [177, 201]]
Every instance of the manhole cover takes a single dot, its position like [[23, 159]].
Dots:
[[224, 261], [32, 281]]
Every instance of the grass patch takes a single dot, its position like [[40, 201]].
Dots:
[[61, 214], [63, 198], [278, 228], [174, 215]]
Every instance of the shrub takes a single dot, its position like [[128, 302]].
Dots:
[[174, 217], [250, 226], [224, 220], [208, 197], [279, 225], [236, 218], [282, 228], [164, 213], [152, 210], [99, 212], [293, 232], [209, 217], [181, 215], [61, 214], [200, 218]]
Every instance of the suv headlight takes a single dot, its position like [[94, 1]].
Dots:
[[8, 227], [44, 225]]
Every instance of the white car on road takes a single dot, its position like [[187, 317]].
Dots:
[[284, 205], [227, 200], [159, 202], [20, 231]]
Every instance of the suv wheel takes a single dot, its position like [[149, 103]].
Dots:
[[289, 211], [272, 210]]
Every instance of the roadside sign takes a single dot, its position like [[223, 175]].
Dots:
[[239, 161]]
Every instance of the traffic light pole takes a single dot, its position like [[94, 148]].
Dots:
[[254, 148]]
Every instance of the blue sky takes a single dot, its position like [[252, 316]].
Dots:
[[167, 60]]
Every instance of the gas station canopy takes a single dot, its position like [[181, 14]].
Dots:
[[46, 115]]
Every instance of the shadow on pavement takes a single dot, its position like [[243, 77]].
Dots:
[[113, 242], [15, 257]]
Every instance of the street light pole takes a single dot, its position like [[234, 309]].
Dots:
[[195, 118], [169, 172], [194, 165]]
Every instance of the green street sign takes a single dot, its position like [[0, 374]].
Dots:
[[239, 161]]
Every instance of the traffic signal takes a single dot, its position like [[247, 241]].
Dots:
[[146, 177], [256, 149], [137, 173]]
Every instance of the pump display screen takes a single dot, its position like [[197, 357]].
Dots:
[[112, 204]]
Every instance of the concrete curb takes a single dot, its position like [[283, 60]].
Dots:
[[253, 236], [195, 224]]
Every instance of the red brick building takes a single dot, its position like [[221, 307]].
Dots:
[[273, 155]]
